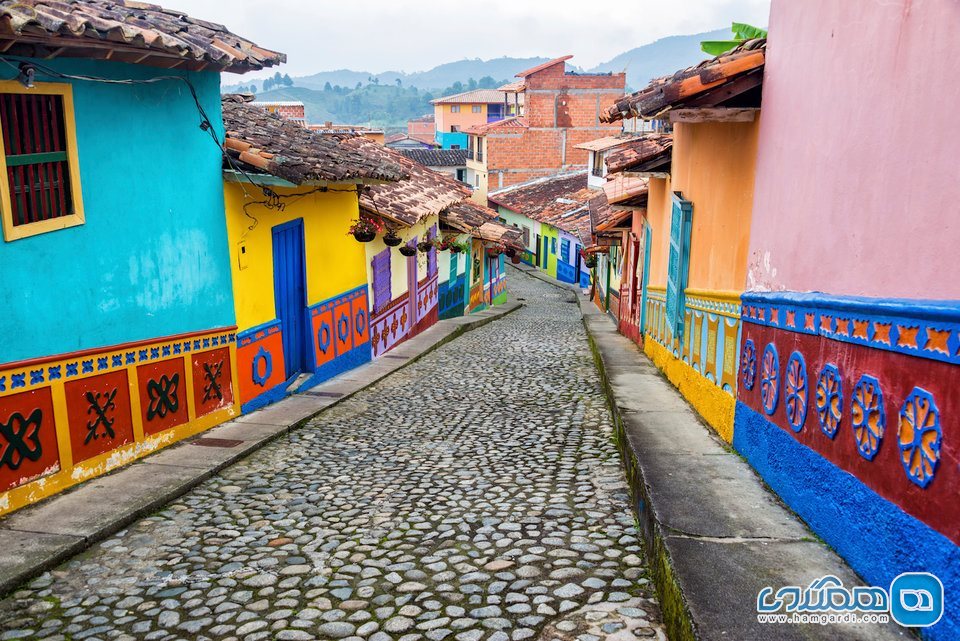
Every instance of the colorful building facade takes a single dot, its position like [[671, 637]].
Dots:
[[454, 114], [847, 403], [129, 345]]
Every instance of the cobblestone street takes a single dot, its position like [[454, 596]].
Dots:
[[476, 494]]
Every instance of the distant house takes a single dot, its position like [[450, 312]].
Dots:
[[406, 141], [448, 161], [289, 109], [373, 133], [118, 332], [557, 111], [423, 127], [454, 114]]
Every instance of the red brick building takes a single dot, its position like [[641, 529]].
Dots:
[[559, 110], [422, 128], [290, 109]]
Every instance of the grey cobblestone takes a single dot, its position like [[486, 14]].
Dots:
[[474, 495]]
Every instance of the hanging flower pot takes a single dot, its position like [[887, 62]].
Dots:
[[511, 252], [590, 261], [365, 229], [425, 245], [406, 250], [515, 259], [391, 239], [454, 249]]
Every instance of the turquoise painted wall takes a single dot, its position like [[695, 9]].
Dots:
[[446, 139], [151, 259]]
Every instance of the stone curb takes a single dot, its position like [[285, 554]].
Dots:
[[39, 537], [715, 535]]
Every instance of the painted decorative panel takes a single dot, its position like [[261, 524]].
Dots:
[[390, 326], [71, 417], [451, 295], [881, 413], [260, 363]]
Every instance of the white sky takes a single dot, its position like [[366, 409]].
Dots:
[[414, 35]]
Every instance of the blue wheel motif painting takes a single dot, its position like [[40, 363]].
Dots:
[[830, 399], [920, 436], [770, 379], [343, 327], [869, 420], [323, 337], [748, 364], [264, 357], [360, 322], [795, 391]]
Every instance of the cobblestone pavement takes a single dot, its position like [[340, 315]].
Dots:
[[475, 494]]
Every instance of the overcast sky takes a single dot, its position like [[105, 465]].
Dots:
[[414, 35]]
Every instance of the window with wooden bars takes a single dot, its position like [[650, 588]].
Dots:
[[381, 280], [40, 191]]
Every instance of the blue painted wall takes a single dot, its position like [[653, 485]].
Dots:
[[151, 259], [447, 139], [881, 543]]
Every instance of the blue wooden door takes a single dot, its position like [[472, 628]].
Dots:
[[290, 293]]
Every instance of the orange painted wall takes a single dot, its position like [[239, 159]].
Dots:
[[714, 165], [444, 116], [658, 217]]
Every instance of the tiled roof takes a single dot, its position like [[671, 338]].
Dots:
[[640, 151], [541, 67], [548, 200], [619, 189], [426, 192], [513, 87], [424, 139], [481, 222], [265, 142], [423, 118], [507, 124], [437, 157], [691, 83], [608, 142], [475, 97], [127, 30]]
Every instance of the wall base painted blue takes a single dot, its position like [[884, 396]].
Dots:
[[584, 280], [268, 397], [343, 363], [876, 537], [566, 272]]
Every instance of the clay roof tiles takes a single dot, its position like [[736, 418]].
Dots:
[[640, 151], [80, 28], [425, 193], [265, 142], [691, 83], [481, 222], [541, 67], [476, 96], [507, 125], [556, 200]]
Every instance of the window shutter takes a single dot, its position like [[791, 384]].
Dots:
[[432, 254], [679, 264], [565, 250], [381, 280]]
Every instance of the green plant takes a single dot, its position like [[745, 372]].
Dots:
[[365, 226], [741, 33]]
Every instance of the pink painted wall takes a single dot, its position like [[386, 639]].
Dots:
[[858, 170]]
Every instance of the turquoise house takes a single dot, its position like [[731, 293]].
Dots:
[[118, 335]]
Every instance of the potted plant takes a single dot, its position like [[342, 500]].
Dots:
[[425, 244], [392, 238], [408, 250], [495, 250], [590, 261], [365, 229], [457, 247]]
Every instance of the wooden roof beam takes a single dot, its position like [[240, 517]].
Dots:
[[714, 114]]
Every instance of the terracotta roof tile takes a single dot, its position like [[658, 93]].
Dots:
[[641, 151], [691, 83], [507, 125], [621, 189], [266, 142], [541, 67], [481, 222], [559, 200], [425, 193], [81, 25]]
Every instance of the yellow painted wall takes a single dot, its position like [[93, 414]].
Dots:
[[714, 165], [334, 260]]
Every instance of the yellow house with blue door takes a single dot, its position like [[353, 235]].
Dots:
[[299, 277], [118, 335]]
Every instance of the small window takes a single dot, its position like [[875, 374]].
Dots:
[[454, 146], [477, 109], [454, 109], [381, 280], [526, 236], [553, 245], [41, 192], [476, 180]]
